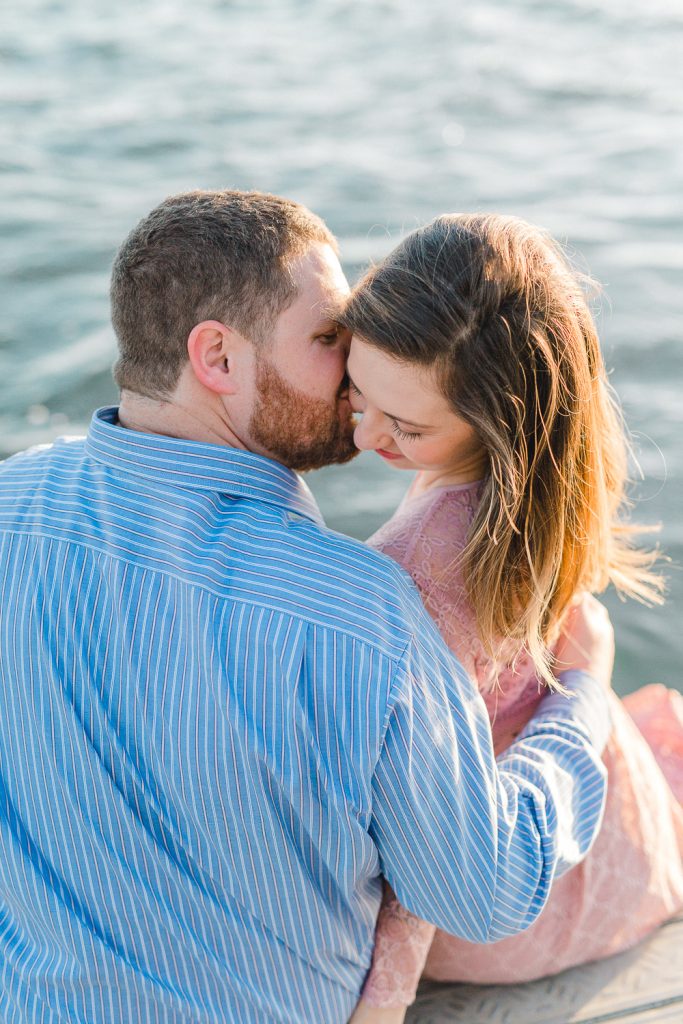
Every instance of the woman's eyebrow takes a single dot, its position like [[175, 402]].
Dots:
[[401, 419]]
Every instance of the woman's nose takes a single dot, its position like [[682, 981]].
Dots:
[[370, 432]]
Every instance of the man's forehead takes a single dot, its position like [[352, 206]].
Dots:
[[332, 307], [319, 274]]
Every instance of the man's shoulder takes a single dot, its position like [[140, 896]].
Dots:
[[33, 483], [354, 561], [24, 471], [347, 586], [242, 549], [41, 455]]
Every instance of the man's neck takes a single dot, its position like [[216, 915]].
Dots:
[[175, 418]]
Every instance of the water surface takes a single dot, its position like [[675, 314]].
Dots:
[[379, 116]]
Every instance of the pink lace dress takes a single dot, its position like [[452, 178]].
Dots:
[[630, 882]]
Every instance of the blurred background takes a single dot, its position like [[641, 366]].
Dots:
[[379, 115]]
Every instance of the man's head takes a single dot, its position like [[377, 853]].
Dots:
[[224, 305]]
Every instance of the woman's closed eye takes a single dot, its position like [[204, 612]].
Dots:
[[356, 398], [404, 435]]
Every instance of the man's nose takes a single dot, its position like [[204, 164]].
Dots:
[[371, 432]]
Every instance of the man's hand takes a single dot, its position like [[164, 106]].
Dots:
[[587, 641]]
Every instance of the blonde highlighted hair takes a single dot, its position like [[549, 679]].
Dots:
[[494, 306]]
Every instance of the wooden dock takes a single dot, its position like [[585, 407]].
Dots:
[[641, 986]]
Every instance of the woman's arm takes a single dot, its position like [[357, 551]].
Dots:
[[473, 846], [366, 1014], [402, 943]]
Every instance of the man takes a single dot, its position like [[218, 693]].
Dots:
[[221, 721]]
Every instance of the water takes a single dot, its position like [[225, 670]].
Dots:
[[379, 116]]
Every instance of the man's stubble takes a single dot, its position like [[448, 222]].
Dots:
[[301, 432]]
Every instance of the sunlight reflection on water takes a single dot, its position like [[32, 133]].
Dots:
[[379, 116]]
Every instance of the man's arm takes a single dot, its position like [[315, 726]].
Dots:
[[467, 844]]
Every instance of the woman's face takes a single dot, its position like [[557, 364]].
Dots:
[[406, 419]]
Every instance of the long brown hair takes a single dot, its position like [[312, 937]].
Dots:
[[494, 305]]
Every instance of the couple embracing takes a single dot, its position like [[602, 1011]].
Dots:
[[246, 776]]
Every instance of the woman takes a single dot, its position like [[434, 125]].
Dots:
[[475, 361]]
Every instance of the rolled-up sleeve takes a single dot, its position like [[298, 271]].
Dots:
[[469, 844]]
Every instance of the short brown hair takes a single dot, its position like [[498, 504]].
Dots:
[[203, 255], [493, 305]]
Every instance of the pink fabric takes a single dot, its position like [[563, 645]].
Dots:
[[631, 881]]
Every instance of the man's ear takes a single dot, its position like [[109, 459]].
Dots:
[[216, 354]]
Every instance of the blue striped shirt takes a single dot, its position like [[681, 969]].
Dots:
[[219, 723]]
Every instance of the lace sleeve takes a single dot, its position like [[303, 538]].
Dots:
[[402, 943]]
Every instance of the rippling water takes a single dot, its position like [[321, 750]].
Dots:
[[379, 116]]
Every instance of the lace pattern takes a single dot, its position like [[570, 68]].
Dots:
[[633, 878]]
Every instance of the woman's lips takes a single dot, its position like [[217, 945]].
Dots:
[[388, 455]]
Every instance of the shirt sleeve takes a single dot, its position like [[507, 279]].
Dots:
[[467, 844]]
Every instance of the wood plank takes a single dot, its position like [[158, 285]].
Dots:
[[641, 986]]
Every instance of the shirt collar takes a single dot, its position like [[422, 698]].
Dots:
[[198, 466]]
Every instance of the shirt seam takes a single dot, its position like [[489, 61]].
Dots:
[[394, 694], [393, 659]]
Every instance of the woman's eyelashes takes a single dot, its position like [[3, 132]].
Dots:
[[404, 435]]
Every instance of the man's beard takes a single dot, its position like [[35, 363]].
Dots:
[[299, 431]]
